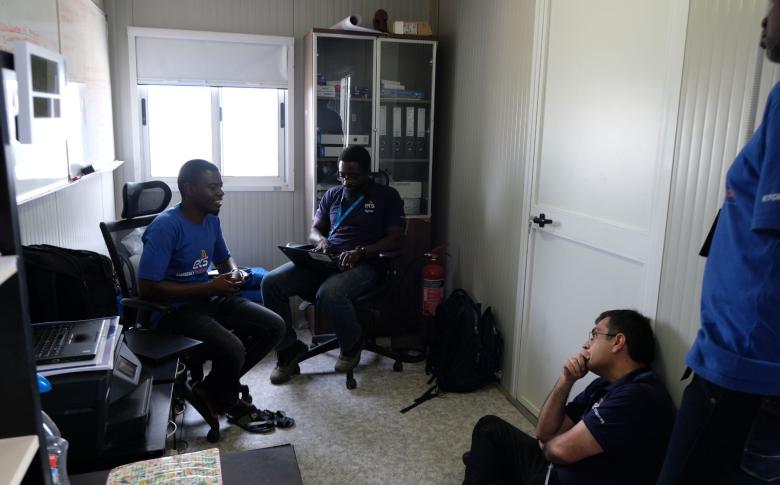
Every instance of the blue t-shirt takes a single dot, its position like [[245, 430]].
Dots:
[[367, 223], [738, 345], [631, 419], [176, 249]]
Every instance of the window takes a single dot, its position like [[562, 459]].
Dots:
[[241, 130], [225, 98]]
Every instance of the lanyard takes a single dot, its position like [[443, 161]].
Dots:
[[340, 217]]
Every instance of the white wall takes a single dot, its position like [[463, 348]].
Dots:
[[254, 222], [483, 86], [478, 186], [720, 103], [70, 216]]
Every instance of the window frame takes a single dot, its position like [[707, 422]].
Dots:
[[285, 180]]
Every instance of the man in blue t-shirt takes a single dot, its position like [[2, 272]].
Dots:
[[179, 247], [356, 220], [614, 432], [728, 427]]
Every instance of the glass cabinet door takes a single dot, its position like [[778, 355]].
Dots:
[[344, 108], [404, 119]]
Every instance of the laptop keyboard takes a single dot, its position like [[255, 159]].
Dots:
[[51, 340]]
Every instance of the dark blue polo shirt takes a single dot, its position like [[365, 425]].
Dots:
[[367, 223], [631, 419]]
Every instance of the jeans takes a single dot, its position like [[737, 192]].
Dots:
[[502, 454], [237, 334], [723, 437], [334, 295]]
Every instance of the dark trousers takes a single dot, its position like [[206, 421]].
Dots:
[[237, 334], [502, 454], [722, 437], [334, 295]]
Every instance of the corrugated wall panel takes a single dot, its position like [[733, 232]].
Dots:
[[37, 224], [483, 86], [79, 211], [251, 242], [269, 17], [70, 217], [716, 105]]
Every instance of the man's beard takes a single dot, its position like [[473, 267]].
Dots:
[[773, 52], [772, 48]]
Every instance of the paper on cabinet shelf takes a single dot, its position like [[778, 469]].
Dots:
[[353, 23]]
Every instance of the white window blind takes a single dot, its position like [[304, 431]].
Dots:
[[165, 56]]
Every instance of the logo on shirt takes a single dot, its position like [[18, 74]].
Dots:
[[369, 207], [771, 197], [200, 266], [202, 262], [730, 195], [596, 410]]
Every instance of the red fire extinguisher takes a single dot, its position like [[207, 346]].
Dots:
[[432, 281]]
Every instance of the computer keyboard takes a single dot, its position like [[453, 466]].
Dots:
[[51, 340]]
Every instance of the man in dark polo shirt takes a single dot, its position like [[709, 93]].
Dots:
[[356, 220], [614, 432]]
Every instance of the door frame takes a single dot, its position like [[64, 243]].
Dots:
[[662, 182]]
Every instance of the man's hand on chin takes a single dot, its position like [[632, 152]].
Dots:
[[576, 366]]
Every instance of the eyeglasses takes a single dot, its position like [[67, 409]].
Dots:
[[342, 176], [592, 334]]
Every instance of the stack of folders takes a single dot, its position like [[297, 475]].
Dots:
[[403, 132], [391, 88], [327, 91], [104, 358]]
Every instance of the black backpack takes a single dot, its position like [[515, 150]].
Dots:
[[464, 348], [68, 284]]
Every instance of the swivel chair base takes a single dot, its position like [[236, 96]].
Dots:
[[328, 342]]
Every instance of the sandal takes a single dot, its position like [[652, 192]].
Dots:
[[251, 419], [281, 420]]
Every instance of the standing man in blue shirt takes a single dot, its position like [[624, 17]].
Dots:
[[357, 220], [179, 247], [728, 427], [613, 433]]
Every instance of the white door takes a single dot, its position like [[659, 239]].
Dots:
[[609, 83]]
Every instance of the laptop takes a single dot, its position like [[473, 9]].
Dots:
[[303, 256], [68, 341]]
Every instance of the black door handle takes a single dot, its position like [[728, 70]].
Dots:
[[541, 220]]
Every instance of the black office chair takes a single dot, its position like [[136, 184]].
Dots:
[[370, 308], [142, 202]]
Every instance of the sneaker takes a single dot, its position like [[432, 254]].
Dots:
[[287, 363], [350, 359]]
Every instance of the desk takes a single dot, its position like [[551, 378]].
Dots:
[[264, 466]]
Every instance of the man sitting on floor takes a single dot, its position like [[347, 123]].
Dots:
[[614, 432], [179, 246], [357, 220]]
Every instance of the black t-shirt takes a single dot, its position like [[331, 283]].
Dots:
[[368, 221], [632, 420]]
